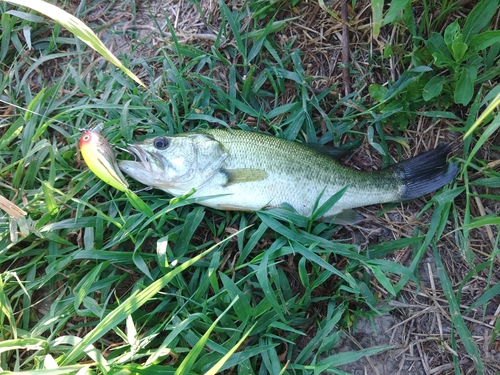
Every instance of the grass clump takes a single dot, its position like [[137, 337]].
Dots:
[[89, 283]]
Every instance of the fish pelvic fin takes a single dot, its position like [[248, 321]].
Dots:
[[241, 175], [425, 173]]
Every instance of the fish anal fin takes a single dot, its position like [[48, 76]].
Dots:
[[242, 175], [346, 217]]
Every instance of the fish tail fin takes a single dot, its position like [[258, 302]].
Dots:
[[425, 173]]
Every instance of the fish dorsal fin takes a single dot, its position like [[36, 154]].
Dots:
[[241, 175], [331, 151], [335, 153]]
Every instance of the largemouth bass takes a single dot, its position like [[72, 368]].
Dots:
[[249, 171]]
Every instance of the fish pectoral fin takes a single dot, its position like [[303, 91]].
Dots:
[[241, 175]]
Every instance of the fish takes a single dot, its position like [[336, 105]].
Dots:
[[250, 171], [100, 159]]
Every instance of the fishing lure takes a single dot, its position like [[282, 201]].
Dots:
[[100, 159]]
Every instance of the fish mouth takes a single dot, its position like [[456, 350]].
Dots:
[[146, 158]]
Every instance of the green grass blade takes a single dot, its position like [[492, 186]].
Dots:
[[24, 344], [65, 370], [490, 130], [6, 309], [377, 11], [456, 316], [394, 10], [126, 308], [215, 369], [350, 357], [233, 23], [491, 107], [486, 296], [190, 359], [326, 329], [77, 27]]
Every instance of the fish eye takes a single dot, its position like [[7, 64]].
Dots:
[[161, 143]]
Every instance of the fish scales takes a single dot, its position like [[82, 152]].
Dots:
[[297, 175]]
